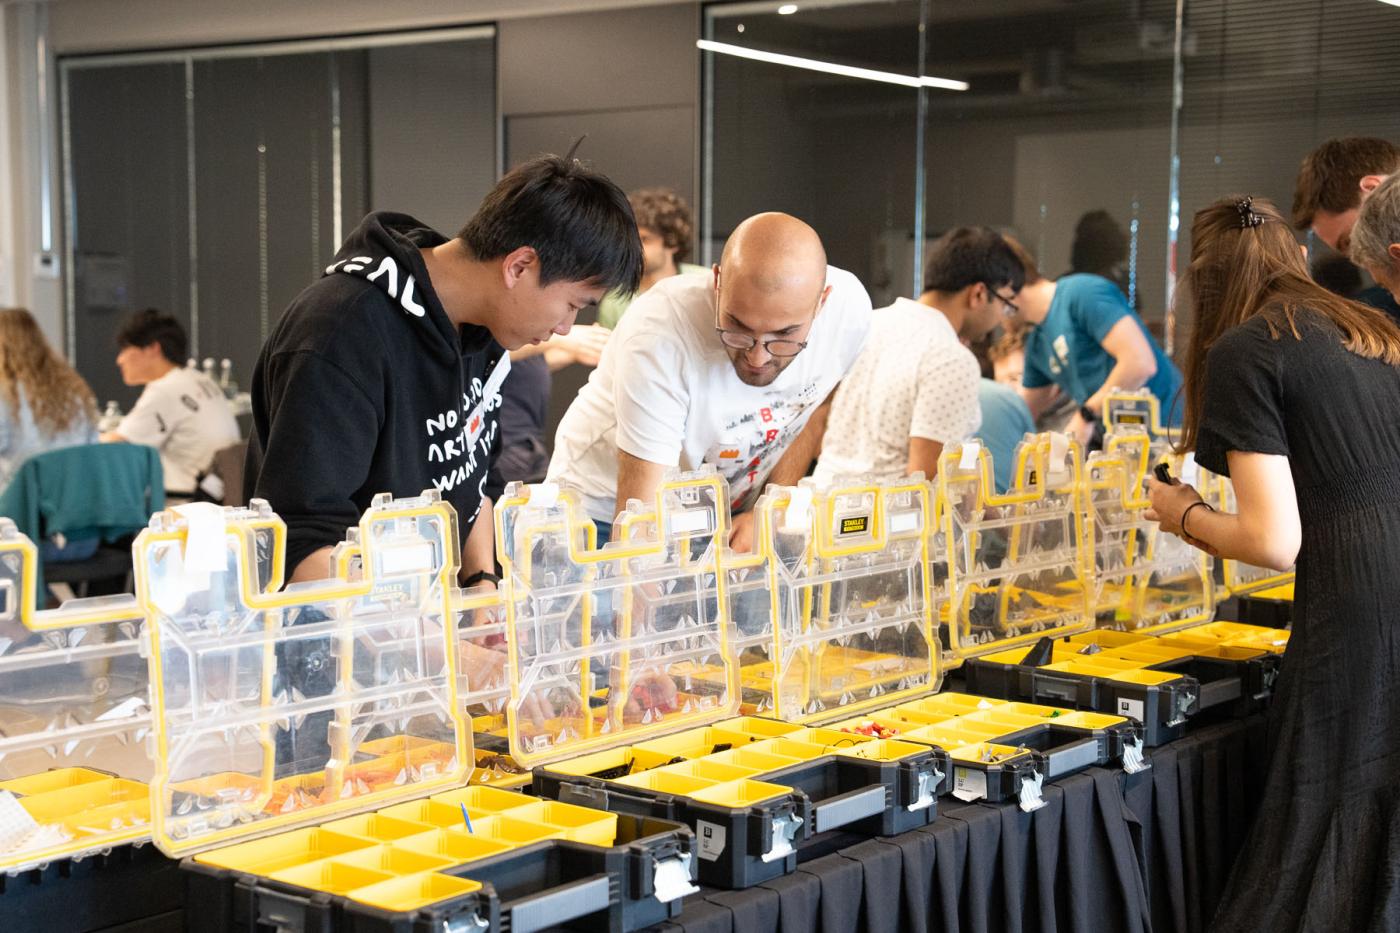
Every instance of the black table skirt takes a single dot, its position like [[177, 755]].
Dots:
[[1108, 852]]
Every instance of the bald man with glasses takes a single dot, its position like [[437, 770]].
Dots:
[[732, 367]]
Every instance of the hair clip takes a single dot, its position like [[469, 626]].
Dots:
[[1247, 216]]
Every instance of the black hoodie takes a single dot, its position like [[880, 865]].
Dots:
[[365, 386]]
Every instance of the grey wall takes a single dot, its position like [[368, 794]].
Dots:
[[431, 157], [630, 80]]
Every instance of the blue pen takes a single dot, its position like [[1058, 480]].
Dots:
[[466, 817]]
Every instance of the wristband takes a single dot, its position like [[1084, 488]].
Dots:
[[479, 576], [1088, 414], [1193, 505]]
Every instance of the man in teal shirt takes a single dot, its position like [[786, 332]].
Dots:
[[1085, 339]]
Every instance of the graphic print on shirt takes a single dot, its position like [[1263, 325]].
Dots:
[[751, 444], [459, 442]]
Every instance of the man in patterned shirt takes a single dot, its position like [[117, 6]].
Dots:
[[913, 390]]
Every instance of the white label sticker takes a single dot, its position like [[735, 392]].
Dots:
[[711, 839], [968, 458], [904, 522], [15, 822], [690, 521], [969, 784], [1133, 709]]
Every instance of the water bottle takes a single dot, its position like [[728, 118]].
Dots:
[[192, 363], [209, 367], [111, 417]]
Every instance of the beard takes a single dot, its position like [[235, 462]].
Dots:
[[758, 378]]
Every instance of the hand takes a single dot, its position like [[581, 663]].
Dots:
[[652, 692], [1080, 430], [1169, 503], [741, 534], [582, 344]]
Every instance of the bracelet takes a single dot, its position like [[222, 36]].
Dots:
[[1188, 512], [478, 577]]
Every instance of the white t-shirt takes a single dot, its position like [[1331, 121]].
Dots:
[[665, 391], [185, 416], [914, 379]]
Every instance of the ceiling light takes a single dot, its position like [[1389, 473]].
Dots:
[[787, 9], [1391, 2], [845, 71]]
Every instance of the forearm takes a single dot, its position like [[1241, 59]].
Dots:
[[1233, 536], [1126, 375], [796, 460], [479, 550], [315, 566]]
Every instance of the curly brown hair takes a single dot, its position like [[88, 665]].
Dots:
[[666, 212], [55, 392]]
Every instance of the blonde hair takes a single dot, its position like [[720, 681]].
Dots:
[[55, 392]]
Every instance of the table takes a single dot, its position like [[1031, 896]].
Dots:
[[1108, 852]]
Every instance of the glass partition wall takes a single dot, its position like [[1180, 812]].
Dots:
[[217, 183], [1089, 129]]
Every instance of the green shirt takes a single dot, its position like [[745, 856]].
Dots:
[[615, 303]]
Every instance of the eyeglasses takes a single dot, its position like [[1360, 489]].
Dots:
[[737, 341], [1010, 308]]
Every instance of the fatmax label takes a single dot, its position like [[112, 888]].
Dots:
[[1133, 418], [855, 525]]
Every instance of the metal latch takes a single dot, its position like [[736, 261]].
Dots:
[[670, 878], [928, 783], [784, 833], [470, 923], [1134, 759], [1030, 791]]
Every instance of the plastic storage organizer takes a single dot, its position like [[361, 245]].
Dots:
[[314, 744], [839, 580], [1144, 582], [75, 721], [1017, 563]]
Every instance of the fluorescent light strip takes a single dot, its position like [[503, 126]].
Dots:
[[845, 71]]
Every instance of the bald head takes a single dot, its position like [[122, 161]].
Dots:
[[771, 284], [775, 252]]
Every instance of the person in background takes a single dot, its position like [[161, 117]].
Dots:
[[733, 367], [1333, 180], [181, 412], [663, 223], [44, 405], [913, 390], [1084, 339], [664, 228], [1005, 418], [1375, 239], [1339, 275], [1100, 247], [1292, 392], [384, 375]]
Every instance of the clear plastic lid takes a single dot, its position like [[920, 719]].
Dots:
[[833, 613], [1016, 562], [73, 719], [1144, 579], [1137, 411], [281, 709], [604, 637]]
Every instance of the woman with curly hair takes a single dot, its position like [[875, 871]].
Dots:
[[44, 403]]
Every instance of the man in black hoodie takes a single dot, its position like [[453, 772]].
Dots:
[[385, 375]]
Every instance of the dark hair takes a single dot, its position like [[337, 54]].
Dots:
[[1245, 262], [1029, 270], [967, 255], [1330, 177], [577, 220], [1099, 243], [151, 326], [666, 212]]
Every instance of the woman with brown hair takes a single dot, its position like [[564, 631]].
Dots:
[[1294, 393], [44, 403]]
